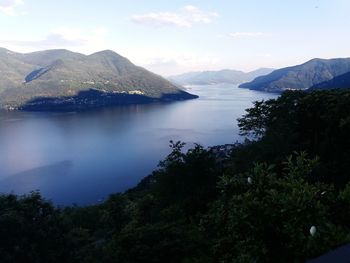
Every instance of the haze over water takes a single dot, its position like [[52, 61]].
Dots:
[[82, 157]]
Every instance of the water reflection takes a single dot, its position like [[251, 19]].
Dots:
[[37, 178]]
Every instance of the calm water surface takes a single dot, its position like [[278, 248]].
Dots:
[[82, 157]]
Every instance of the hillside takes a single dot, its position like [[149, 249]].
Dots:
[[216, 77], [197, 208], [340, 82], [61, 79], [300, 77]]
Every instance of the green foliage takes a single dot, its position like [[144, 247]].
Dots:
[[270, 218], [186, 179], [259, 205], [315, 122], [31, 230]]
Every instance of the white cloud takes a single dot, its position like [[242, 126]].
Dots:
[[186, 60], [170, 62], [76, 39], [187, 17], [167, 66], [162, 19], [246, 34], [191, 8], [8, 6]]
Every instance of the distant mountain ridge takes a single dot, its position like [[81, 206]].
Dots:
[[215, 77], [301, 77], [53, 79], [339, 82]]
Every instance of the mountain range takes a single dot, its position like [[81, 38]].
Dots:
[[216, 77], [314, 74], [65, 80]]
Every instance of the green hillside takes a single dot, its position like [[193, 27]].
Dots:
[[300, 77], [58, 77]]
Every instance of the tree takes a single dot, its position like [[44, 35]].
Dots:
[[264, 216]]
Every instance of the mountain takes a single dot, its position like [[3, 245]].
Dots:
[[65, 80], [257, 73], [300, 77], [209, 77], [215, 77], [340, 82]]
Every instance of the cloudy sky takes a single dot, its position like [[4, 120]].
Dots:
[[172, 37]]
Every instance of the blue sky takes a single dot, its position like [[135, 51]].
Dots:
[[172, 37]]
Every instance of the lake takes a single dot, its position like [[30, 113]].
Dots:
[[83, 157]]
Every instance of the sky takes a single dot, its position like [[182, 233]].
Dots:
[[177, 36]]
